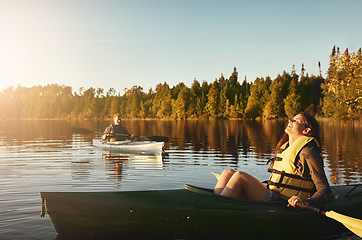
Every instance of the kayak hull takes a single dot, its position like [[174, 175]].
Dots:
[[187, 212], [130, 147]]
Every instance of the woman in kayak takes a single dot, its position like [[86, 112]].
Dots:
[[116, 132], [297, 172]]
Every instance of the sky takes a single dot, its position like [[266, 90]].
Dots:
[[120, 44]]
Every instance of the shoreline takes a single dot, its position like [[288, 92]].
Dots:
[[170, 119]]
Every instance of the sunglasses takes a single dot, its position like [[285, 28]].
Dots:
[[297, 121]]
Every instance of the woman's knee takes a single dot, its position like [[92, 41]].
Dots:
[[240, 174], [240, 177], [228, 172]]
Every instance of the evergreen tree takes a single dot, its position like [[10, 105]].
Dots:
[[309, 90], [115, 105], [292, 103], [161, 106], [244, 95], [107, 107], [142, 112], [179, 106], [213, 99], [278, 91], [201, 106], [233, 87], [195, 94], [342, 88], [320, 69], [223, 103], [258, 98], [130, 103]]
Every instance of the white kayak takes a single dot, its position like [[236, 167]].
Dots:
[[130, 147]]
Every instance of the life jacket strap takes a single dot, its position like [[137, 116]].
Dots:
[[278, 185], [274, 159], [283, 174]]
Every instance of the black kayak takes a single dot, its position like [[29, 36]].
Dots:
[[193, 211]]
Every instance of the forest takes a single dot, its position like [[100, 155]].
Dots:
[[336, 96]]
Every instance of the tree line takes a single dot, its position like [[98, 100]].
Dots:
[[336, 96]]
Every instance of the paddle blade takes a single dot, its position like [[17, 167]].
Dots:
[[216, 175], [353, 224], [158, 138], [80, 130]]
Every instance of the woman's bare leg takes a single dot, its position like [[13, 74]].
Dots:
[[244, 186], [223, 180]]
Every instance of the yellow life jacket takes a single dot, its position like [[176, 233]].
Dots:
[[284, 178]]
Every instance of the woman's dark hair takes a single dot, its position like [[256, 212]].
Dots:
[[309, 122]]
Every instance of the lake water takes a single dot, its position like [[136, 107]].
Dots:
[[44, 155]]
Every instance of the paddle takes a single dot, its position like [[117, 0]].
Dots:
[[353, 224], [81, 130], [155, 138], [216, 175], [152, 138]]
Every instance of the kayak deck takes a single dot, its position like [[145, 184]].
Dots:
[[130, 146], [188, 211]]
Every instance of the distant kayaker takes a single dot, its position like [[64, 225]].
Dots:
[[116, 132], [297, 171]]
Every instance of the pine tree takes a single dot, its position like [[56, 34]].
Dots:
[[179, 106], [258, 98], [213, 99], [161, 104], [320, 69], [275, 99], [223, 103], [292, 103], [342, 88], [201, 106], [115, 105]]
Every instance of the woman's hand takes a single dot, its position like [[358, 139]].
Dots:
[[293, 200], [104, 136]]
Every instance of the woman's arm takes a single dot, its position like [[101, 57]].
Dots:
[[312, 164], [106, 133]]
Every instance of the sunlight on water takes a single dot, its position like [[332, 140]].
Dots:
[[57, 160]]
